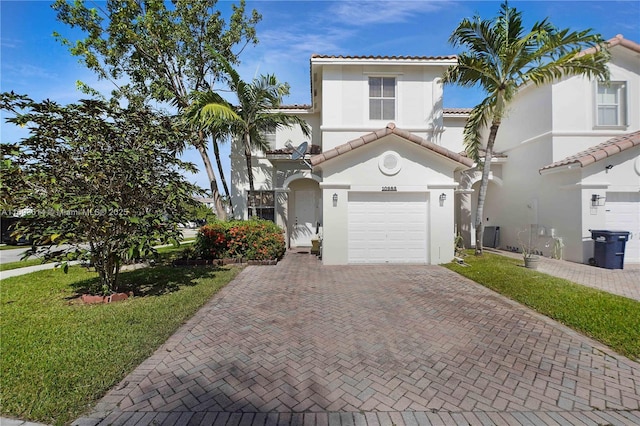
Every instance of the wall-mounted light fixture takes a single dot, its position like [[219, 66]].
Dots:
[[442, 199], [609, 167], [335, 200], [595, 200]]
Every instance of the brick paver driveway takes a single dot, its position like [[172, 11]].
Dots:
[[299, 343]]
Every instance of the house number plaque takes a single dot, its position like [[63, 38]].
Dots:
[[389, 188]]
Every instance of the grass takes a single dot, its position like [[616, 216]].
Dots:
[[163, 252], [10, 247], [20, 264], [60, 356], [610, 319]]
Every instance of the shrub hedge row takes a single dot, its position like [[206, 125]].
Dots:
[[251, 240]]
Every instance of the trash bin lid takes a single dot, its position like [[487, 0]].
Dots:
[[607, 234]]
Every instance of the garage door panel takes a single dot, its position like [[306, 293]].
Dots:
[[387, 228], [623, 214]]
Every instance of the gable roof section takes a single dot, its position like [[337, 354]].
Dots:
[[612, 42], [379, 134], [599, 152]]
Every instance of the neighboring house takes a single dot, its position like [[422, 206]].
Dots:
[[383, 179], [570, 162], [207, 201]]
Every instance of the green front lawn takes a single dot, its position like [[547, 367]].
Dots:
[[60, 356], [10, 247], [611, 319], [162, 252], [20, 264]]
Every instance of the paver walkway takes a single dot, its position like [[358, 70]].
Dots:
[[623, 282], [299, 343]]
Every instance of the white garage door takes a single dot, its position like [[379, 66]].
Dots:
[[623, 214], [387, 227]]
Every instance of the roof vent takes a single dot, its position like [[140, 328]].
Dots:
[[390, 163]]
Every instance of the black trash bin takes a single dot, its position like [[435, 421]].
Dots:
[[608, 250]]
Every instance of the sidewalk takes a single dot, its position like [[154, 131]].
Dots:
[[623, 282], [13, 422]]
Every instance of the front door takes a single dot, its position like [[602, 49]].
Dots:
[[304, 220]]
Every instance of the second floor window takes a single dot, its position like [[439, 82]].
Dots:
[[382, 98], [611, 104]]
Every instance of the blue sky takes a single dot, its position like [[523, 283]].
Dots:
[[32, 62]]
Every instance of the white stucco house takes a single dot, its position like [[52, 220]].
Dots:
[[384, 178], [569, 162]]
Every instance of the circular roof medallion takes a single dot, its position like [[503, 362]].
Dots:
[[390, 163]]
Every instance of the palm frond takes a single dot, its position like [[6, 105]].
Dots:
[[209, 110], [475, 126]]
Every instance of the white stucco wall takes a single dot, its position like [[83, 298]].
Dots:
[[295, 134], [452, 138], [528, 117], [574, 107], [345, 100]]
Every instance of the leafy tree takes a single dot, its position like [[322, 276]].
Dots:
[[501, 58], [200, 213], [102, 180], [160, 50], [255, 113]]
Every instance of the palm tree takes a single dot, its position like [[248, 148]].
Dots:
[[255, 114], [500, 59], [219, 114]]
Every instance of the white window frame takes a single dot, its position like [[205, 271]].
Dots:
[[382, 97], [620, 105], [265, 204]]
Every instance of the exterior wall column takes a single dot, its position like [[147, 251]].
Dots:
[[463, 215], [335, 228], [282, 210]]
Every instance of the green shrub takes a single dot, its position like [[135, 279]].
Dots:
[[211, 241], [252, 240]]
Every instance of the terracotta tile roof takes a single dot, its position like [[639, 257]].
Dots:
[[615, 41], [410, 58], [379, 134], [311, 149], [483, 152], [294, 106], [599, 152], [457, 111]]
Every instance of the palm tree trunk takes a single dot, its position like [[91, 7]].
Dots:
[[215, 193], [482, 195], [247, 154], [216, 152]]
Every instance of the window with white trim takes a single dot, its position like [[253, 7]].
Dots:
[[263, 203], [611, 107], [382, 98]]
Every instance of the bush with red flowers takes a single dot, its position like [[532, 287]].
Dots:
[[211, 241], [249, 240]]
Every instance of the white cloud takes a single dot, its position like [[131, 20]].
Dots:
[[9, 43], [359, 13]]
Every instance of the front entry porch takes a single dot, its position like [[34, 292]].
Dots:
[[305, 212]]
